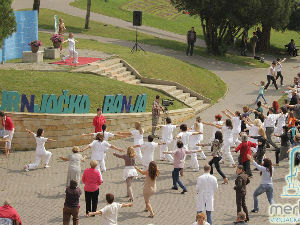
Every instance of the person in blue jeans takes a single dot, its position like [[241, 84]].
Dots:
[[261, 91], [266, 184], [191, 38]]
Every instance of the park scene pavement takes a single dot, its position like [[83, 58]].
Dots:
[[39, 195]]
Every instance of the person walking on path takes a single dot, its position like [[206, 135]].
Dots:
[[206, 187], [129, 172], [200, 219], [9, 128], [253, 42], [74, 165], [191, 38], [279, 69], [99, 148], [272, 75], [92, 180], [111, 210], [71, 206], [216, 151], [179, 155], [98, 121], [240, 189], [156, 108], [261, 91], [150, 185], [72, 51], [40, 150], [266, 184], [245, 150]]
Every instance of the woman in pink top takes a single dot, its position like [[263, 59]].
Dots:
[[92, 180]]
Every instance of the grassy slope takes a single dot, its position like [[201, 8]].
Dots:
[[179, 25], [161, 67], [76, 24], [38, 83]]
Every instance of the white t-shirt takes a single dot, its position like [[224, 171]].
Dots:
[[167, 132], [185, 138], [271, 71], [137, 137], [107, 135], [214, 130], [40, 144], [98, 149], [236, 123], [282, 120], [71, 44], [201, 130], [278, 67], [110, 213], [148, 150], [253, 130], [227, 133], [194, 140], [270, 121]]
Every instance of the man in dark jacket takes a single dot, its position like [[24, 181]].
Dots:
[[191, 39], [240, 188]]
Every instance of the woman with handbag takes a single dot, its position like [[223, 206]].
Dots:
[[245, 149]]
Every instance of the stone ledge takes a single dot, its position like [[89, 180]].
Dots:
[[29, 57]]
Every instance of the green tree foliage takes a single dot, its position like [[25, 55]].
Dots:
[[273, 14], [221, 20], [88, 13], [36, 5], [294, 23], [7, 20]]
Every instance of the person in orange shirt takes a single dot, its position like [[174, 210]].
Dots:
[[291, 120], [98, 121]]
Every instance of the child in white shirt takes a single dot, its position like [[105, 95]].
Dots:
[[72, 51], [110, 211]]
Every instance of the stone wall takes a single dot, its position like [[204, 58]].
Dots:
[[67, 128]]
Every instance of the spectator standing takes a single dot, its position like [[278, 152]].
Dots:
[[9, 128], [156, 108], [61, 27], [92, 180], [98, 121], [191, 38], [8, 215], [71, 206], [240, 188], [206, 187], [244, 43], [260, 39], [253, 42]]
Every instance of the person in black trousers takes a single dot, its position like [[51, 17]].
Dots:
[[191, 39], [272, 76], [240, 189]]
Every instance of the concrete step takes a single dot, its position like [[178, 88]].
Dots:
[[135, 81], [124, 74], [117, 71], [109, 68], [126, 79], [183, 96], [176, 92], [201, 108], [195, 103], [190, 100], [106, 63], [87, 68], [162, 87]]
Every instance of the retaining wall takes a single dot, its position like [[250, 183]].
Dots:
[[67, 128]]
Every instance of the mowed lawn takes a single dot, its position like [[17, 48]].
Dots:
[[161, 67], [38, 83], [76, 24]]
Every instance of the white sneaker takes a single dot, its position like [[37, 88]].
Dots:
[[46, 166], [282, 85], [26, 168]]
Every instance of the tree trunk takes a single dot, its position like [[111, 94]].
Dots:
[[88, 12], [36, 5], [266, 30]]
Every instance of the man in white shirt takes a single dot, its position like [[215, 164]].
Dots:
[[206, 187], [167, 137], [110, 211], [269, 124]]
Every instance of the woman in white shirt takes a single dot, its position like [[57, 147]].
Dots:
[[227, 131], [40, 150], [194, 144], [281, 122], [217, 121], [253, 128], [236, 119], [99, 146], [138, 139]]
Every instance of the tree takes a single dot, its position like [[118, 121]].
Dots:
[[221, 20], [36, 5], [294, 23], [88, 12], [7, 20], [273, 14]]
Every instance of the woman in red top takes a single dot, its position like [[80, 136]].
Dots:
[[98, 121], [9, 128], [92, 180], [245, 149], [7, 212], [291, 120]]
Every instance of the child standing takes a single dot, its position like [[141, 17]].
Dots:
[[40, 150], [72, 52], [261, 91]]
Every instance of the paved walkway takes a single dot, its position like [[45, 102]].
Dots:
[[65, 7]]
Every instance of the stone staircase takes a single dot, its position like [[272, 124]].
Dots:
[[114, 68]]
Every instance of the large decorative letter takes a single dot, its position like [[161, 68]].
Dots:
[[25, 103], [108, 104]]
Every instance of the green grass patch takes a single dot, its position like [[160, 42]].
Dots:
[[38, 83], [76, 24], [162, 67]]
